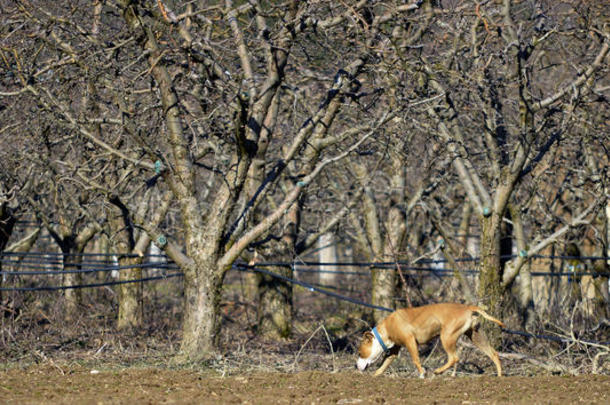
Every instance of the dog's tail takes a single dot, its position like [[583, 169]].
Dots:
[[487, 316]]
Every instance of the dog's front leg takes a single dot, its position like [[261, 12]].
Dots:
[[411, 345], [389, 358]]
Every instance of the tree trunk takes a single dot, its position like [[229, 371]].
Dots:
[[275, 304], [73, 297], [130, 294], [525, 298], [201, 323], [102, 246], [275, 301], [490, 276], [327, 253], [382, 293], [251, 280], [384, 280]]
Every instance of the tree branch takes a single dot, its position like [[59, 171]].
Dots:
[[539, 244]]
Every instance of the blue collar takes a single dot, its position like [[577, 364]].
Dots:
[[379, 339]]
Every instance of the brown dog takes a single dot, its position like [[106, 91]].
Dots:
[[410, 326]]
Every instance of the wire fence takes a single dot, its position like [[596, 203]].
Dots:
[[52, 263]]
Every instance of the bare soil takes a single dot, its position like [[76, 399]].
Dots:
[[59, 384]]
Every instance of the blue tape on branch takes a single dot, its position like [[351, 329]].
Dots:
[[158, 166], [161, 241], [523, 253]]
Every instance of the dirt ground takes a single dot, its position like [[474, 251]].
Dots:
[[83, 385]]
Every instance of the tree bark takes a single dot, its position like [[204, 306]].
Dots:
[[275, 300], [201, 322], [384, 280], [130, 294], [71, 259], [490, 276], [275, 304]]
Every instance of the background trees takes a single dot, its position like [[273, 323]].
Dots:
[[499, 114], [262, 126]]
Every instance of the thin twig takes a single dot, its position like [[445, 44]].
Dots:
[[307, 341], [303, 346], [332, 352]]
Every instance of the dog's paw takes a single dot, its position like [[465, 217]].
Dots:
[[422, 374]]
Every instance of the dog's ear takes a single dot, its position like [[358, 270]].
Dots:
[[368, 337]]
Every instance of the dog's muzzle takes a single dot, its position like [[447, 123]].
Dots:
[[362, 364]]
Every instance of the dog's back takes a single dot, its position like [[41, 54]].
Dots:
[[428, 321]]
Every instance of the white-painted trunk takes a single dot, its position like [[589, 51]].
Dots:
[[327, 253], [156, 257]]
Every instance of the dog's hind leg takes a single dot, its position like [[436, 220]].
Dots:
[[449, 341], [480, 340]]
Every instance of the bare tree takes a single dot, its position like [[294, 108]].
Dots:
[[248, 83], [499, 113], [235, 112]]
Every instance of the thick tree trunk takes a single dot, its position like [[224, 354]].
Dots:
[[131, 314], [490, 276], [201, 322], [130, 294], [73, 297], [275, 301], [251, 280], [72, 246], [523, 283], [384, 280], [102, 247], [382, 293], [275, 304]]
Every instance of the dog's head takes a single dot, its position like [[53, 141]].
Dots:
[[368, 351]]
